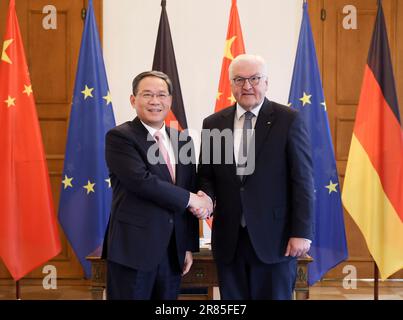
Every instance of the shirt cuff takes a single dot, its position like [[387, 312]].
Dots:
[[188, 201]]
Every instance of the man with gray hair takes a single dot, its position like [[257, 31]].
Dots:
[[263, 216]]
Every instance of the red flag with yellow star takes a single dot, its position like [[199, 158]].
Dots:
[[28, 230], [233, 47]]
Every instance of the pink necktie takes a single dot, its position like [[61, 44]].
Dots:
[[159, 137]]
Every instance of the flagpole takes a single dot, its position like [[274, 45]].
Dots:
[[17, 290], [376, 281], [376, 270]]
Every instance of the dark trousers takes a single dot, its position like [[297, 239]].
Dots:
[[162, 283], [248, 278]]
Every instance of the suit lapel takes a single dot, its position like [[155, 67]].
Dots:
[[264, 122], [228, 123], [141, 132], [263, 125], [148, 141]]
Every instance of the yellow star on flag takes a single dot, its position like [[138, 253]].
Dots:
[[67, 182], [306, 99], [89, 187], [28, 90], [332, 187], [87, 92], [108, 98], [4, 56], [324, 105], [10, 101], [109, 182], [289, 104], [227, 50], [219, 94], [231, 99]]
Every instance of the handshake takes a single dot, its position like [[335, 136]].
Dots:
[[200, 205]]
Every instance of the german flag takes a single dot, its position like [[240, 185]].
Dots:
[[164, 60], [373, 185]]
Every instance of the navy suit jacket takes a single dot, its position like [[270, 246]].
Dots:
[[146, 206], [276, 199]]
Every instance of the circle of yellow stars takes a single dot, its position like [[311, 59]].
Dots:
[[89, 187], [306, 99], [88, 93]]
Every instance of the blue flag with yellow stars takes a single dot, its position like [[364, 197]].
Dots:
[[329, 246], [85, 197]]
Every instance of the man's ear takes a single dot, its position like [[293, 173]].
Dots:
[[132, 99]]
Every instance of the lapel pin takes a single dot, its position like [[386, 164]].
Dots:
[[269, 123]]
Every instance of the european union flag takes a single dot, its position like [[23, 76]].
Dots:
[[329, 246], [85, 198]]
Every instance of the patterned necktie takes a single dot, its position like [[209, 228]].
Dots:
[[159, 138]]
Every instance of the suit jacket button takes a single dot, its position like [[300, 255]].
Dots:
[[171, 220]]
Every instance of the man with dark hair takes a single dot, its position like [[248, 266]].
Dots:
[[151, 235], [156, 74]]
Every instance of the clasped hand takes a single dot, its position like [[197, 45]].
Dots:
[[200, 205]]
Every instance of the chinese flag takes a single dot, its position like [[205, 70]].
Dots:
[[373, 183], [233, 47], [28, 230]]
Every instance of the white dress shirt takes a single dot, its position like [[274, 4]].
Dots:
[[166, 141]]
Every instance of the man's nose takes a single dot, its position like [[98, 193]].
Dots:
[[247, 85], [154, 99]]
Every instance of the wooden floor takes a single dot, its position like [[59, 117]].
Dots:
[[321, 291], [364, 291]]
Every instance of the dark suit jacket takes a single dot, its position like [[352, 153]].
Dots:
[[276, 199], [146, 206]]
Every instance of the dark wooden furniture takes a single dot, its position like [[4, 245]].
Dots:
[[202, 275]]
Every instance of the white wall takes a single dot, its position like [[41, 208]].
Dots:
[[199, 27]]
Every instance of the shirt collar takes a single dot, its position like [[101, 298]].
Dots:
[[152, 130], [240, 111]]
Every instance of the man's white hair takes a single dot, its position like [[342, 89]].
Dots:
[[247, 58]]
